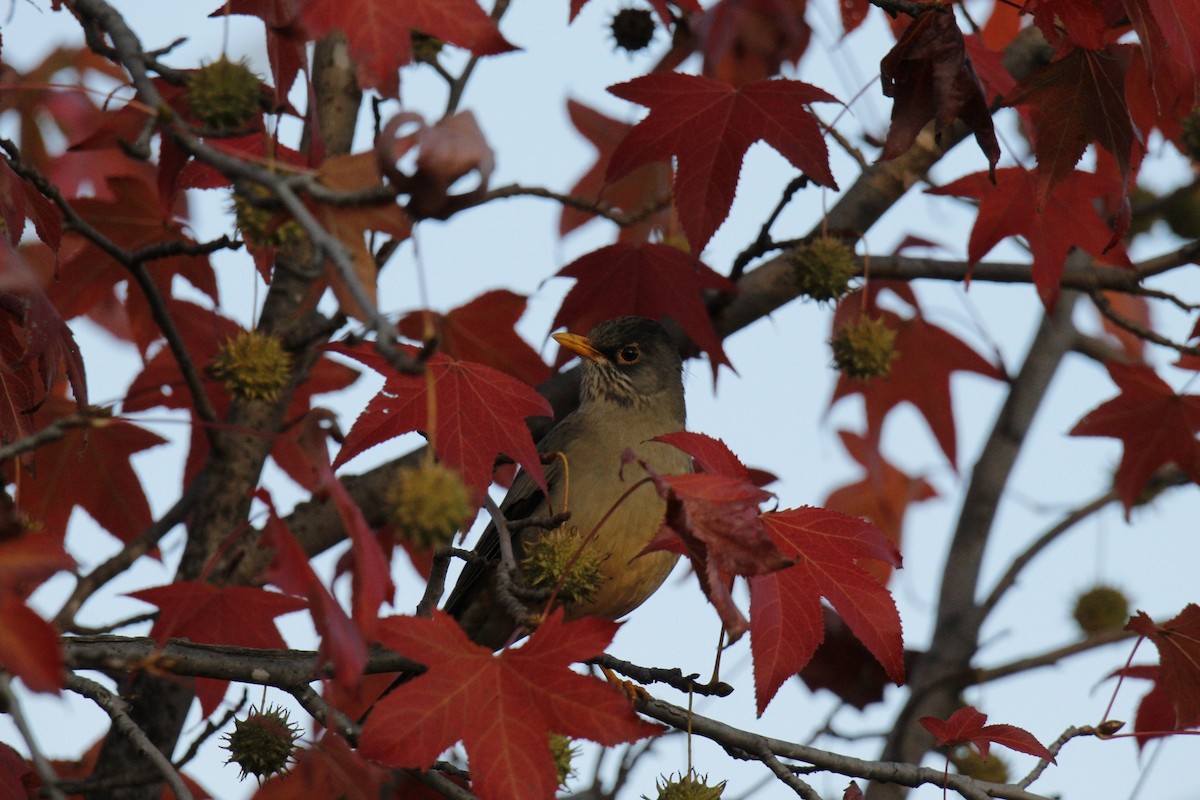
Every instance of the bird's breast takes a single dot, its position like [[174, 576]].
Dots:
[[626, 512]]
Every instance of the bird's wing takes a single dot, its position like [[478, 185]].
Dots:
[[523, 500]]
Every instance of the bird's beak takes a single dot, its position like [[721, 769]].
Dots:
[[579, 345]]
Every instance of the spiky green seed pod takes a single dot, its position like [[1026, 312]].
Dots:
[[428, 504], [971, 764], [254, 221], [687, 787], [823, 268], [1101, 608], [224, 95], [262, 743], [253, 366], [563, 752], [633, 28], [548, 560], [864, 349]]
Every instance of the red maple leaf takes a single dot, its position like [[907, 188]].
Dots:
[[482, 331], [379, 32], [743, 41], [1178, 643], [1065, 218], [29, 646], [707, 126], [882, 495], [113, 494], [713, 518], [285, 45], [502, 707], [711, 455], [341, 642], [1155, 716], [359, 172], [240, 616], [1156, 425], [785, 607], [1076, 100], [925, 358], [650, 280], [643, 187], [843, 665], [1170, 38], [329, 768], [931, 77], [967, 726], [20, 201], [372, 582], [477, 412], [134, 219]]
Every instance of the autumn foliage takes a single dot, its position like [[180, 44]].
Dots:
[[1068, 113]]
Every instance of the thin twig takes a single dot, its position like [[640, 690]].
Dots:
[[763, 242], [211, 728], [89, 584], [137, 269], [1137, 329], [117, 710], [1049, 657], [12, 707], [672, 677], [1041, 543], [786, 776], [51, 433]]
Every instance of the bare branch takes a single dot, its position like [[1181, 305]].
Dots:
[[749, 744], [117, 710], [12, 707]]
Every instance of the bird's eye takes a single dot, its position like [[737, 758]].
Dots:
[[629, 354]]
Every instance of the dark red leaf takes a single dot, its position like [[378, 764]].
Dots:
[[1178, 643], [482, 331], [931, 77], [649, 280], [478, 413], [1156, 426], [732, 119], [1065, 218], [785, 606], [966, 726], [1077, 100], [502, 707], [380, 32], [644, 187]]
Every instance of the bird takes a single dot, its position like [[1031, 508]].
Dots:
[[630, 392]]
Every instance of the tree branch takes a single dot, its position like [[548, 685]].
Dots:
[[748, 744], [117, 710]]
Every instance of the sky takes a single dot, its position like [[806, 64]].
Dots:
[[773, 411]]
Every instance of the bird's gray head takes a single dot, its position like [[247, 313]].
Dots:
[[629, 361]]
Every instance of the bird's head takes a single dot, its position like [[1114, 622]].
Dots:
[[628, 361]]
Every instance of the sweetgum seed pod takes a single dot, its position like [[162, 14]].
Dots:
[[224, 95], [864, 349], [633, 28], [688, 787], [548, 559], [263, 743], [1101, 608], [428, 503], [253, 365], [823, 268]]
